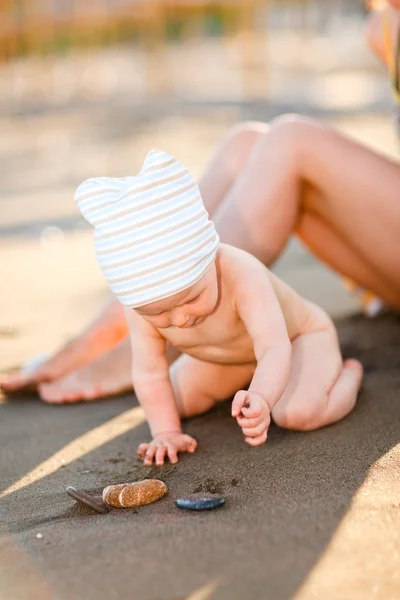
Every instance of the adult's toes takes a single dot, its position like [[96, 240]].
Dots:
[[15, 381], [54, 394], [92, 393], [47, 392]]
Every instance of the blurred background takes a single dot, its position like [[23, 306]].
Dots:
[[87, 88]]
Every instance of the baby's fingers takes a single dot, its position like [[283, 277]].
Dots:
[[160, 455], [172, 453], [238, 402], [149, 456], [256, 441], [191, 445], [255, 407], [254, 432], [244, 422], [141, 451]]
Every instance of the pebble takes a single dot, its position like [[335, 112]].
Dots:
[[39, 536], [142, 492], [200, 502], [111, 494], [87, 500]]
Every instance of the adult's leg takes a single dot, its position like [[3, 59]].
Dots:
[[340, 197], [107, 375], [105, 332]]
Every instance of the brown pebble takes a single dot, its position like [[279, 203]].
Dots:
[[142, 492], [111, 494]]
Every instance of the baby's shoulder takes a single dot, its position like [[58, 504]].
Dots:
[[240, 264]]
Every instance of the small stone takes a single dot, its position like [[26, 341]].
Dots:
[[87, 500], [111, 494], [142, 492], [39, 536], [200, 502]]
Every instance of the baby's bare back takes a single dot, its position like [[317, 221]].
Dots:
[[222, 337]]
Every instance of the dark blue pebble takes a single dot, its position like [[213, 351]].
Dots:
[[200, 502]]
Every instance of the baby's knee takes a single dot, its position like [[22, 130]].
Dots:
[[191, 404], [296, 418], [189, 400]]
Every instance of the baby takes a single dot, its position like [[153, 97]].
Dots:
[[241, 331]]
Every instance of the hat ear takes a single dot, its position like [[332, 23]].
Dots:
[[156, 159], [96, 193]]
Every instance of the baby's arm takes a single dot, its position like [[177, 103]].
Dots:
[[152, 384], [259, 309]]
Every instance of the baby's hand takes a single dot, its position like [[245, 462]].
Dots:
[[253, 416], [166, 444]]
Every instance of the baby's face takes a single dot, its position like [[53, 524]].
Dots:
[[187, 308]]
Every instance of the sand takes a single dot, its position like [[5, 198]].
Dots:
[[308, 515]]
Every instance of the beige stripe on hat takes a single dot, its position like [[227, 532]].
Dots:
[[153, 237]]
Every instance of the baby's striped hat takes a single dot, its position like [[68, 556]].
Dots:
[[152, 234]]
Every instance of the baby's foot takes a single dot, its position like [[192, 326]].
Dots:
[[107, 375]]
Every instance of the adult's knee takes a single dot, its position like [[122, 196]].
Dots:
[[285, 133], [292, 128], [239, 142], [247, 129]]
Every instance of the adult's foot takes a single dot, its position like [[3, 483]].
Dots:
[[104, 333], [107, 375]]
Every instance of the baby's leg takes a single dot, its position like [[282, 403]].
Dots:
[[198, 385], [321, 389]]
